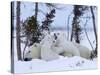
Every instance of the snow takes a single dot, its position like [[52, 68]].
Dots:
[[62, 64]]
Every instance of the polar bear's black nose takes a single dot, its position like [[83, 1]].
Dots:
[[27, 59]]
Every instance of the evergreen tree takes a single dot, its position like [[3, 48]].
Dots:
[[76, 28], [45, 27], [48, 20], [31, 30]]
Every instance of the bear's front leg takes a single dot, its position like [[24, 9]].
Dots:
[[47, 54]]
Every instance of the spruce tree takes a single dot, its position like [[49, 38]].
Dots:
[[48, 20]]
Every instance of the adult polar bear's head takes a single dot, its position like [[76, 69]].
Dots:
[[33, 52], [48, 40], [47, 53]]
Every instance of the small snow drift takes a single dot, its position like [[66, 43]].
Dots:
[[62, 64]]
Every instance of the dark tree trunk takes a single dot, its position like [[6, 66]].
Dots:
[[94, 26], [18, 31], [71, 38], [73, 28], [12, 37], [36, 10], [12, 28], [75, 31], [76, 28]]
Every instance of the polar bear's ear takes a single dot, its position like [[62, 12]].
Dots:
[[55, 36], [35, 45]]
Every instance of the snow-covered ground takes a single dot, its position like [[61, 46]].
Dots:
[[62, 64]]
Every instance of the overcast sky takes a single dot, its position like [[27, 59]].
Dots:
[[61, 16]]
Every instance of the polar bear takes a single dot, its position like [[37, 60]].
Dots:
[[82, 50], [42, 50], [68, 48], [33, 52]]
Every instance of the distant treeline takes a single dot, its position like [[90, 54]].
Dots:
[[65, 28]]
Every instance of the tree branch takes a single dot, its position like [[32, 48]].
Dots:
[[87, 34]]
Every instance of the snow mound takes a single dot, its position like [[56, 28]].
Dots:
[[62, 64]]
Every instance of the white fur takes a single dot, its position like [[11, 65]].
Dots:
[[46, 52], [50, 49], [68, 48], [84, 51], [34, 51]]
